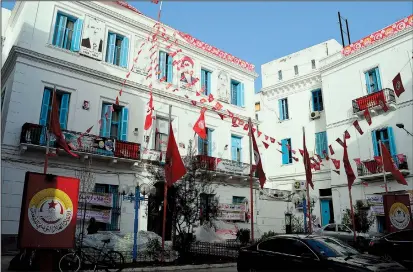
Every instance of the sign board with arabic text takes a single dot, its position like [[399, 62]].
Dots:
[[98, 199], [103, 216]]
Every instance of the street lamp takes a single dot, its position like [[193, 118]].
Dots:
[[401, 126], [134, 194]]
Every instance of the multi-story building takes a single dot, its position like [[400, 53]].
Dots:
[[325, 89], [94, 56]]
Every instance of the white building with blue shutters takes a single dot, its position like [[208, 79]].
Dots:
[[88, 53], [324, 90]]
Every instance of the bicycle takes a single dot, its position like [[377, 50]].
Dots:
[[110, 261]]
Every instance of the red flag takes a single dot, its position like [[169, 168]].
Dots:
[[331, 150], [347, 167], [316, 167], [230, 114], [149, 110], [56, 130], [218, 106], [358, 161], [240, 122], [401, 158], [319, 158], [357, 126], [221, 116], [259, 133], [301, 152], [272, 140], [210, 98], [234, 122], [296, 159], [246, 127], [367, 115], [398, 85], [193, 102], [325, 155], [279, 143], [337, 172], [253, 130], [340, 141], [347, 135], [265, 145], [307, 164], [388, 166], [174, 166], [280, 151], [199, 126], [79, 139], [266, 137], [155, 1], [336, 163], [382, 102], [257, 158]]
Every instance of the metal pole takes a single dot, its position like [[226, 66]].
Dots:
[[382, 165], [305, 215], [348, 32], [165, 195], [136, 225], [251, 181], [341, 29], [46, 158], [352, 214], [308, 192]]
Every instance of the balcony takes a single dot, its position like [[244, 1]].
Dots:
[[34, 136], [372, 102], [227, 169], [371, 170]]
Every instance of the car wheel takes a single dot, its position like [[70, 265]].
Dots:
[[387, 257]]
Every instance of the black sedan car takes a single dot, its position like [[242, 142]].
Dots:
[[308, 252], [396, 246]]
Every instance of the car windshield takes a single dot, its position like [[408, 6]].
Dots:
[[330, 248]]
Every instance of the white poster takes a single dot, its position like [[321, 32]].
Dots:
[[141, 55], [104, 216], [232, 167], [93, 38], [98, 199]]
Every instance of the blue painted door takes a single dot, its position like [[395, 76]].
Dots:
[[325, 211]]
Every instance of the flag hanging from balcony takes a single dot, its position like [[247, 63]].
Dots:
[[388, 165], [55, 128], [331, 150], [358, 161], [367, 115], [149, 110], [357, 126], [307, 164], [401, 158], [258, 162], [347, 135], [347, 167], [382, 102], [174, 166], [398, 85], [200, 127]]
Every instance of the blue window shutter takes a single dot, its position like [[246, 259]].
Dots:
[[110, 50], [233, 94], [124, 125], [325, 143], [162, 64], [77, 33], [60, 30], [367, 82], [391, 141], [64, 110], [284, 150], [314, 94], [200, 145], [44, 113], [378, 79], [169, 76], [234, 148], [209, 142], [280, 107], [317, 143], [208, 83], [241, 94], [374, 140], [124, 53], [106, 124], [203, 82]]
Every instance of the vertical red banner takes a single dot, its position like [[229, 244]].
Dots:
[[49, 211], [397, 212]]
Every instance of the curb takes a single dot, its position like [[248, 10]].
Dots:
[[177, 268]]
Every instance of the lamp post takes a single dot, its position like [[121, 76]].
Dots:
[[135, 193], [401, 126]]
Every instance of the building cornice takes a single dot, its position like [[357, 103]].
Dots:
[[293, 85], [364, 51], [16, 52], [147, 29]]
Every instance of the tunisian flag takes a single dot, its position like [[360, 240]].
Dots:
[[398, 85], [347, 167], [174, 166], [258, 163], [388, 166], [149, 110], [307, 164], [199, 126], [56, 130]]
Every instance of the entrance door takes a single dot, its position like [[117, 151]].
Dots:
[[325, 211]]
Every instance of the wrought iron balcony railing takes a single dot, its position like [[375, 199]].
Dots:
[[373, 100], [372, 167], [91, 144], [224, 166]]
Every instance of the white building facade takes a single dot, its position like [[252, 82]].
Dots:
[[331, 91], [92, 54]]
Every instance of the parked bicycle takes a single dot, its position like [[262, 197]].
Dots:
[[110, 261]]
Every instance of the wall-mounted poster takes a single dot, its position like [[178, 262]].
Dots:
[[187, 72], [48, 211], [93, 38], [223, 87], [141, 54], [397, 212]]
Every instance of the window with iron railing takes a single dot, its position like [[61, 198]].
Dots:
[[67, 32], [373, 81], [114, 122]]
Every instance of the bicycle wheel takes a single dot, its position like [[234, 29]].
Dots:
[[113, 261], [69, 262]]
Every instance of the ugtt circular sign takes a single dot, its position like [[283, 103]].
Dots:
[[399, 215], [50, 211]]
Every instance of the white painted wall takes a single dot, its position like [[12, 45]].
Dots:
[[5, 15]]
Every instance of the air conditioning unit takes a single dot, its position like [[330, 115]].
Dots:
[[315, 115]]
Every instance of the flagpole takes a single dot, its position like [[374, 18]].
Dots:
[[352, 214], [46, 158], [251, 181], [308, 200], [382, 165], [165, 195]]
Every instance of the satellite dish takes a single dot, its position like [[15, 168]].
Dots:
[[144, 188]]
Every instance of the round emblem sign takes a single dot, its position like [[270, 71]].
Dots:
[[50, 211], [399, 215], [201, 124]]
